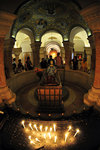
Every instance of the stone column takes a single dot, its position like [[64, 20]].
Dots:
[[42, 53], [8, 46], [17, 52], [89, 53], [6, 95], [63, 54], [93, 57], [92, 17], [68, 50], [36, 57]]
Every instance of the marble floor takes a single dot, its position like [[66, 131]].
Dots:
[[27, 102], [14, 135]]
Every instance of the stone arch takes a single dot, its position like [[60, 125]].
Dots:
[[27, 31], [51, 40], [50, 30], [79, 37], [24, 39]]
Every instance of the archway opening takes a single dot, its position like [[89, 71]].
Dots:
[[82, 49], [22, 48], [52, 43]]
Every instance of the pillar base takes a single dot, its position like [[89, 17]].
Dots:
[[92, 97], [6, 96]]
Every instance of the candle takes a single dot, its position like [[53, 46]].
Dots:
[[69, 128], [32, 142], [29, 137], [1, 112], [40, 127], [37, 139], [50, 129], [35, 127], [55, 139], [44, 136], [54, 126], [46, 128], [77, 131], [49, 135], [30, 125], [23, 123], [66, 136]]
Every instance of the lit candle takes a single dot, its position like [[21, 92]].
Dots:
[[32, 142], [55, 139], [37, 139], [41, 128], [50, 129], [30, 125], [46, 128], [69, 128], [29, 137], [49, 135], [66, 136], [54, 126], [77, 131], [1, 112], [35, 127], [44, 136], [23, 123]]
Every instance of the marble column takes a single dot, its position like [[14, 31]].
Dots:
[[93, 57], [89, 53], [8, 46], [42, 53], [36, 56], [17, 52], [68, 50], [92, 17], [6, 95]]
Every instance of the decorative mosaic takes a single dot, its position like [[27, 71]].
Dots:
[[41, 16]]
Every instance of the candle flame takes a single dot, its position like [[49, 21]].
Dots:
[[66, 136], [46, 128], [44, 136], [77, 131], [30, 125], [55, 139], [35, 126], [37, 139], [69, 128], [54, 126], [32, 142], [49, 135], [51, 129], [23, 123], [29, 137], [40, 127]]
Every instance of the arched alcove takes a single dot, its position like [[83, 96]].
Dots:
[[51, 40], [24, 38]]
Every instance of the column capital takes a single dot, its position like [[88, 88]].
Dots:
[[17, 51], [36, 45], [68, 44], [88, 50], [6, 20], [91, 15]]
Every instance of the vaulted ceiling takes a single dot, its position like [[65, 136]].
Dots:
[[12, 5]]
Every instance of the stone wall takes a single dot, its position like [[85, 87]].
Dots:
[[79, 78], [21, 80]]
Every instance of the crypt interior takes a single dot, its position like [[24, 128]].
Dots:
[[44, 104]]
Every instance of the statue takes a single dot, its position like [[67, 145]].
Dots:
[[50, 76]]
